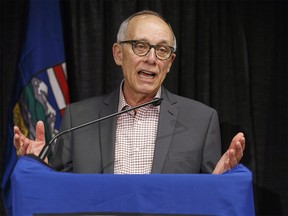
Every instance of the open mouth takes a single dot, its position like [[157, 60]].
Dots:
[[146, 74]]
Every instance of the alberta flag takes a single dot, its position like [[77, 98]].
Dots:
[[41, 90]]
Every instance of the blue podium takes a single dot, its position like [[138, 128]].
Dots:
[[39, 190]]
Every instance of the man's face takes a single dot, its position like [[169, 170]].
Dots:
[[144, 74]]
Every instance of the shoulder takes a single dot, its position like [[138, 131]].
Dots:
[[84, 103], [187, 104], [94, 104]]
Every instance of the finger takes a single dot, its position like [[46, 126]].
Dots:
[[17, 141], [17, 137], [239, 151], [18, 131], [238, 137], [40, 131], [232, 158], [243, 141]]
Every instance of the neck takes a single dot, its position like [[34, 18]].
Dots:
[[134, 100]]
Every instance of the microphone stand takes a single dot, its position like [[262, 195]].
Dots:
[[46, 149]]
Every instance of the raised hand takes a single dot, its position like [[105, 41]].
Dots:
[[232, 156], [24, 145]]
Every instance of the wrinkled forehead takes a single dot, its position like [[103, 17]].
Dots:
[[149, 27]]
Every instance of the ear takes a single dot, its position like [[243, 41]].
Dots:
[[117, 53], [172, 58]]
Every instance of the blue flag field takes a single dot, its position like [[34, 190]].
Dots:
[[41, 90]]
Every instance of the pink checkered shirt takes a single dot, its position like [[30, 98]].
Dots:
[[135, 138]]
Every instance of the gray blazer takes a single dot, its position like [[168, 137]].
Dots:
[[188, 137]]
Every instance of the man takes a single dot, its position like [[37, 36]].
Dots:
[[179, 136]]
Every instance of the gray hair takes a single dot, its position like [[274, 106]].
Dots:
[[121, 36]]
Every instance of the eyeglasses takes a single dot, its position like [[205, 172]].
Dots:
[[142, 48]]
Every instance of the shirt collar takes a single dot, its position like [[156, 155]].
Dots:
[[122, 102]]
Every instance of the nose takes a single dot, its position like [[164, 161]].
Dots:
[[151, 55]]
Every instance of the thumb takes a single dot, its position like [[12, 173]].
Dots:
[[40, 131]]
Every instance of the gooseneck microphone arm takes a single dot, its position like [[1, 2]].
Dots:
[[46, 149]]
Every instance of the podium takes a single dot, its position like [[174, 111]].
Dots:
[[39, 190]]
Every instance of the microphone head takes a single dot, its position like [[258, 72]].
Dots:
[[157, 101]]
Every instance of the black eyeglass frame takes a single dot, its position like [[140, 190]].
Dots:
[[132, 42]]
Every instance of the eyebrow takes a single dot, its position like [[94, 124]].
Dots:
[[161, 42]]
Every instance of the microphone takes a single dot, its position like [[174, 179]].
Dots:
[[46, 149]]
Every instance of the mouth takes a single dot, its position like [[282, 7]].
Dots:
[[146, 74]]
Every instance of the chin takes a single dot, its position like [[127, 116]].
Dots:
[[147, 92], [147, 89]]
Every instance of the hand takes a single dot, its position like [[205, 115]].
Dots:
[[232, 156], [24, 145]]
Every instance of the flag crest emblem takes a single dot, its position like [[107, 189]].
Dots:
[[44, 98]]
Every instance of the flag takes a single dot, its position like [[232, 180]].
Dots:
[[41, 90]]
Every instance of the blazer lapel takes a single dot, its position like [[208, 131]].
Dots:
[[108, 131], [167, 121]]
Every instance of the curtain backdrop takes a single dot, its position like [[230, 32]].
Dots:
[[231, 55]]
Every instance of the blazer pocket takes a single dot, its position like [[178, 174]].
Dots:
[[182, 162], [187, 155]]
